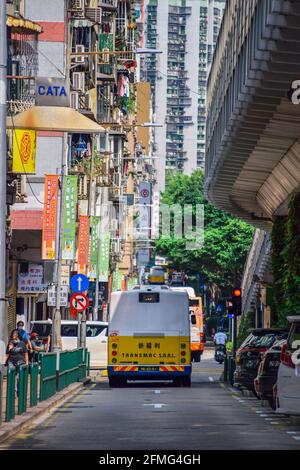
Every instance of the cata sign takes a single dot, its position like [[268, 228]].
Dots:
[[52, 92]]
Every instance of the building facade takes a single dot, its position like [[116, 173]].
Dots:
[[178, 78], [252, 144], [90, 45]]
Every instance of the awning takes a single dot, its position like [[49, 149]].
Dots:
[[23, 24], [54, 118]]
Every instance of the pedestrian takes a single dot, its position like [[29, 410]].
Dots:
[[37, 346], [16, 354], [23, 335]]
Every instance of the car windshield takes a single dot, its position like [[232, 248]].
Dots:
[[260, 341]]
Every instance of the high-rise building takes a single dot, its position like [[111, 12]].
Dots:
[[185, 31], [211, 13]]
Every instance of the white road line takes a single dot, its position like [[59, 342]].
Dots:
[[211, 379], [274, 422], [292, 432], [155, 405], [296, 437], [157, 391]]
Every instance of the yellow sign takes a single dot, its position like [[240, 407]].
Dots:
[[24, 150], [149, 350]]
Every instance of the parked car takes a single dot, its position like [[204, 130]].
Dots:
[[267, 372], [288, 381], [96, 337], [250, 353]]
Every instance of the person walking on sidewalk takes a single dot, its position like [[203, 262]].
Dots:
[[16, 353]]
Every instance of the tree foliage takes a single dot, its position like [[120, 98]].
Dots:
[[226, 239]]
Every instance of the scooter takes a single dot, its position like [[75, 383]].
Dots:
[[220, 353]]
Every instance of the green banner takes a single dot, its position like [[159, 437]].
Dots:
[[132, 282], [69, 217], [95, 221], [104, 256], [117, 280]]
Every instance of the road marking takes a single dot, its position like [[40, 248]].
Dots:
[[296, 437], [274, 422], [155, 405], [157, 391], [211, 379], [292, 432]]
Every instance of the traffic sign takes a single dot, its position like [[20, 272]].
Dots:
[[79, 302], [51, 296], [79, 283]]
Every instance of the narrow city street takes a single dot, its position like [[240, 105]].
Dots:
[[206, 416]]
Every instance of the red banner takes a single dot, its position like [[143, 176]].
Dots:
[[83, 243], [50, 217]]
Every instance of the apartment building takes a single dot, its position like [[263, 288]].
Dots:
[[178, 78], [90, 45]]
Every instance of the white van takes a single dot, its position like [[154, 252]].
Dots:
[[149, 336], [96, 337], [288, 381]]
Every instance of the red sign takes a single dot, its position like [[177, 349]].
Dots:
[[50, 217], [79, 302], [73, 313], [83, 243]]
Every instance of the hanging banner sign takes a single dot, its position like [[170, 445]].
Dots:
[[49, 217], [155, 215], [24, 151], [104, 257], [95, 221], [83, 241], [132, 282], [69, 217], [117, 280]]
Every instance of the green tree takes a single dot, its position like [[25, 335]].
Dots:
[[226, 239]]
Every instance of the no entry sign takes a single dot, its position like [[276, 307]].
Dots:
[[79, 302]]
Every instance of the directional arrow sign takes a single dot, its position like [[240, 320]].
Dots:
[[79, 302], [79, 283]]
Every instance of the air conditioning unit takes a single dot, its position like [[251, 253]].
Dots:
[[79, 48], [21, 189], [78, 81], [74, 101], [94, 14], [77, 4]]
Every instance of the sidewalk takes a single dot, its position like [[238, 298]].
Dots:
[[8, 430]]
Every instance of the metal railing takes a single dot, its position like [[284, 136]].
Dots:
[[229, 368], [27, 385]]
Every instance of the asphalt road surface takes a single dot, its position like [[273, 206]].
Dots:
[[205, 416]]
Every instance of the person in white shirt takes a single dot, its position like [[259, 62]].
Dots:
[[220, 338], [220, 341]]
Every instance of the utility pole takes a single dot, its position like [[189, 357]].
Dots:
[[56, 333], [83, 318], [3, 154]]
